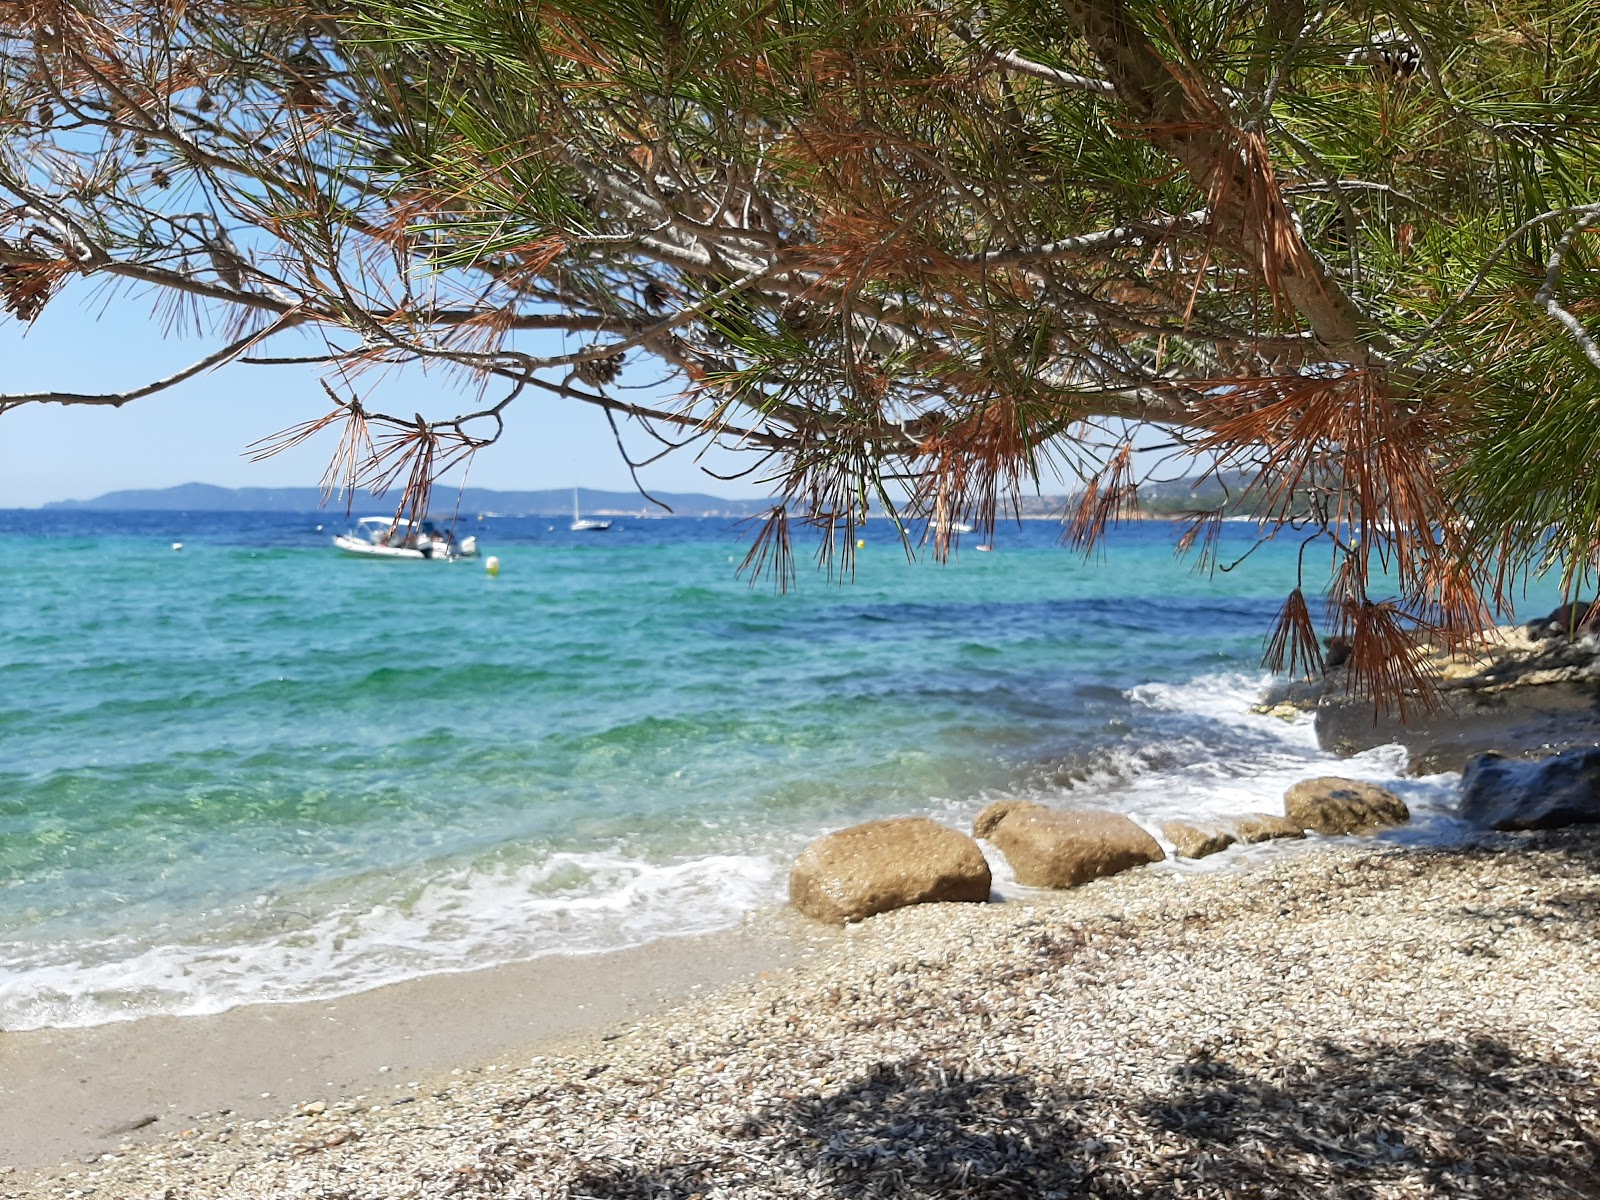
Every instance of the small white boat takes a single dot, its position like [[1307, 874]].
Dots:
[[395, 537], [582, 524], [943, 529]]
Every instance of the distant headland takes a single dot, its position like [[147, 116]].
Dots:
[[205, 497], [1163, 499]]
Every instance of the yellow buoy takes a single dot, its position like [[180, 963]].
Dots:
[[492, 565], [861, 543]]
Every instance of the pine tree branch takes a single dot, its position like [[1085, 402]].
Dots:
[[1194, 129], [1066, 79], [1104, 239], [117, 399], [1545, 297]]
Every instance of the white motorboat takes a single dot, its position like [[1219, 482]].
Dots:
[[943, 529], [395, 537], [582, 524]]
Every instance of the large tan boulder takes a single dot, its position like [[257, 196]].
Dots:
[[992, 814], [1196, 841], [1330, 804], [1055, 848], [883, 865], [1264, 827]]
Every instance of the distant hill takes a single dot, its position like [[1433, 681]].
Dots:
[[1224, 490], [1193, 493], [551, 502], [1167, 498]]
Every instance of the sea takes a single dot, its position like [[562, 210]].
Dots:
[[253, 770]]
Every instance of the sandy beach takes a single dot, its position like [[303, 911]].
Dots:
[[77, 1094], [1357, 1019]]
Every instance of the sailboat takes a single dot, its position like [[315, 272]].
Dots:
[[582, 524]]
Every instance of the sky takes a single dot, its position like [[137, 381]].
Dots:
[[198, 431]]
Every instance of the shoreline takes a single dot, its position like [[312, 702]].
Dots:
[[72, 1094], [1362, 1018]]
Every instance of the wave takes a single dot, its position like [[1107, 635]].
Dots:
[[1196, 752], [1157, 752], [566, 903]]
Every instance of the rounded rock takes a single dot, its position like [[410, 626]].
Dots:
[[1329, 804], [1264, 827], [1196, 841], [871, 868], [992, 814], [1056, 848]]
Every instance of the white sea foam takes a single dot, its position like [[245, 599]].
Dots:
[[1203, 755], [564, 904]]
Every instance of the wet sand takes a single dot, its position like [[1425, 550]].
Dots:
[[72, 1094]]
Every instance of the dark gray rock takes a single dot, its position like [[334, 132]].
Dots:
[[1295, 693], [1566, 621], [1548, 793]]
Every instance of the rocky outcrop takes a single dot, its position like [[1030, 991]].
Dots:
[[1503, 793], [1333, 805], [1196, 841], [1264, 827], [1055, 848], [1532, 690], [991, 815], [883, 865], [1566, 621]]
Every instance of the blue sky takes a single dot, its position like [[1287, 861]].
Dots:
[[198, 430]]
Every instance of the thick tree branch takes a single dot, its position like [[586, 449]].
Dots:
[[1248, 208]]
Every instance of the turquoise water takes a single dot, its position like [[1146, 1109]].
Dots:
[[257, 770]]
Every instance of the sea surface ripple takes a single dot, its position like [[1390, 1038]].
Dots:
[[255, 770]]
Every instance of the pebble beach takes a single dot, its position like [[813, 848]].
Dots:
[[1355, 1019]]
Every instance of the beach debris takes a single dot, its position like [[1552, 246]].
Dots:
[[1063, 848], [338, 1139], [1330, 804], [882, 865], [1546, 793], [1197, 841], [1264, 827], [992, 814], [132, 1126]]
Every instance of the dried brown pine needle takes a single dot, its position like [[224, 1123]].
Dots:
[[1293, 646]]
